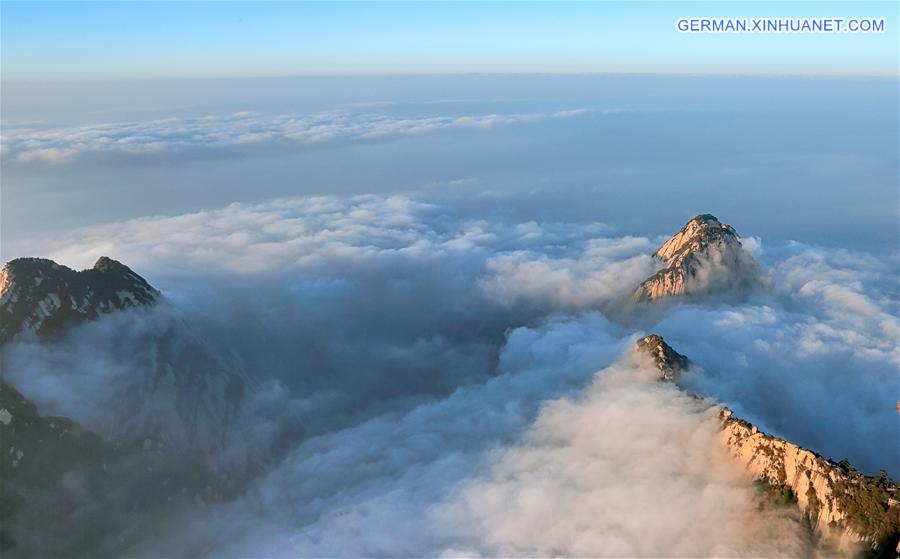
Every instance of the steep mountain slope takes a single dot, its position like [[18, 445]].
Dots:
[[39, 295], [704, 257], [181, 390], [844, 507], [64, 490]]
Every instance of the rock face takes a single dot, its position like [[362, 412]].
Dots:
[[669, 362], [843, 505], [39, 295], [705, 257]]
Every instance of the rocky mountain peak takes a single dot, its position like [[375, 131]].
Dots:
[[39, 295], [669, 362], [697, 234], [704, 257], [107, 263]]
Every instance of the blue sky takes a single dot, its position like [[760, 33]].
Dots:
[[722, 144], [95, 40]]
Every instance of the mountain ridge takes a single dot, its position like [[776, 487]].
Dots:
[[844, 506], [41, 296]]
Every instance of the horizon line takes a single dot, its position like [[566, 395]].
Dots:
[[599, 73]]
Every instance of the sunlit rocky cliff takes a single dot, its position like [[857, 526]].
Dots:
[[704, 258], [848, 510]]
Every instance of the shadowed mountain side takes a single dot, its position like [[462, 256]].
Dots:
[[93, 496], [66, 492], [97, 496], [197, 392]]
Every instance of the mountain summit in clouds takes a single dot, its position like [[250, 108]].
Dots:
[[704, 257], [39, 295], [669, 362], [187, 394], [53, 463]]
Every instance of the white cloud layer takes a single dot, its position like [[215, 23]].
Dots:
[[409, 363], [626, 467], [784, 355], [175, 135], [299, 291]]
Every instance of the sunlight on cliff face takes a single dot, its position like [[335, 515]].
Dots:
[[630, 467]]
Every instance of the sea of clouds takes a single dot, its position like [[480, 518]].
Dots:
[[424, 383]]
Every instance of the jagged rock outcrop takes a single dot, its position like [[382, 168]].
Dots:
[[39, 295], [845, 507], [705, 257], [669, 362]]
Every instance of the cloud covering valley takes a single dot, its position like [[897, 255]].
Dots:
[[424, 382]]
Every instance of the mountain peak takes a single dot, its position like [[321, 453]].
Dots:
[[669, 362], [704, 257], [39, 295], [696, 235], [107, 263]]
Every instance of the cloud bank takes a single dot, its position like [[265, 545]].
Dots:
[[314, 278], [625, 466], [245, 130], [333, 309], [630, 467]]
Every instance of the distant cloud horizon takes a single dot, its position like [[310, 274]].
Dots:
[[173, 136]]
